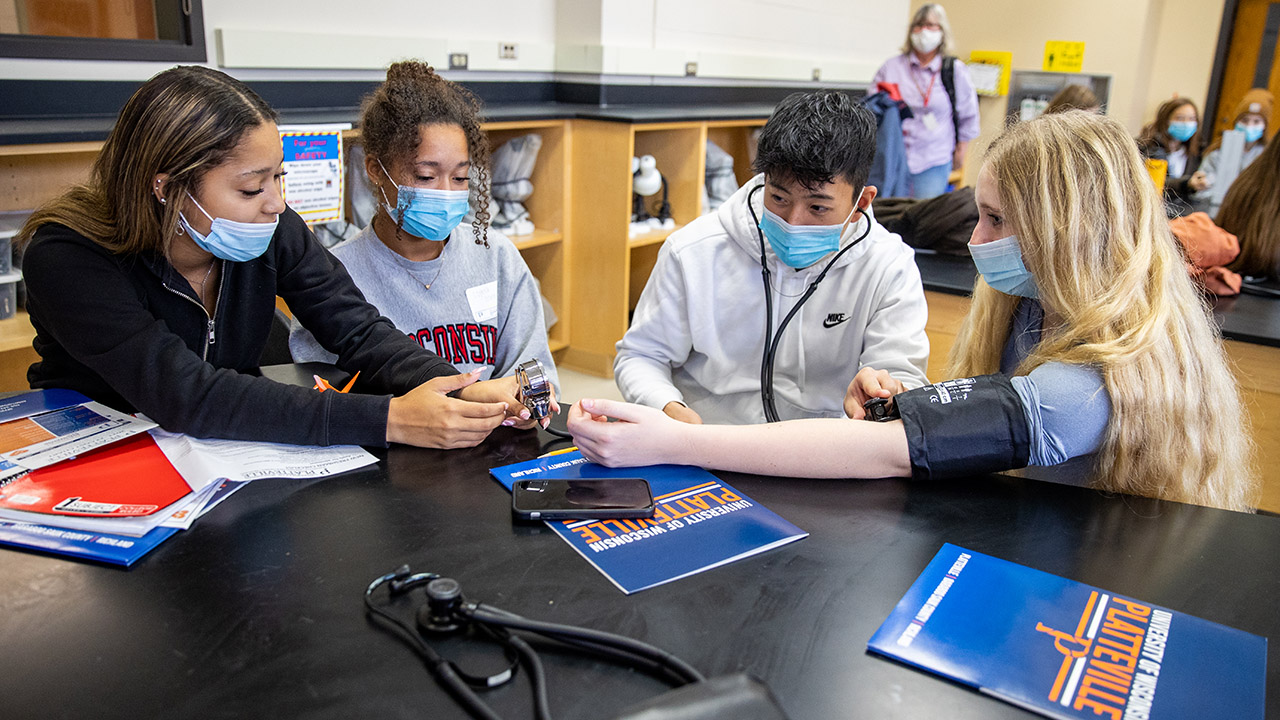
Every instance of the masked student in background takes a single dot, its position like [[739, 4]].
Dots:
[[1085, 338], [152, 288], [1252, 115], [1172, 137], [697, 344], [461, 291]]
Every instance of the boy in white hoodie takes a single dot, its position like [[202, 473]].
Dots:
[[697, 344]]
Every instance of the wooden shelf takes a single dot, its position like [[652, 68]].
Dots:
[[608, 268], [61, 148], [653, 237], [537, 239], [16, 332], [557, 345]]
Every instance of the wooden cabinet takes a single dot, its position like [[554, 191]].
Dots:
[[608, 267], [549, 207]]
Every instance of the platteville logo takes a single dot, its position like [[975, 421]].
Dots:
[[1111, 663], [834, 319]]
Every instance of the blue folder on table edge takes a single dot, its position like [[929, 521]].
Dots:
[[111, 549], [1064, 649]]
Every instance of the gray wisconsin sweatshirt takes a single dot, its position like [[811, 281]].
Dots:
[[482, 310]]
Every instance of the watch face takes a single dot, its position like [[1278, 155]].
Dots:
[[535, 391]]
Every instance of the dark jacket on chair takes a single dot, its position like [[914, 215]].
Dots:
[[889, 173]]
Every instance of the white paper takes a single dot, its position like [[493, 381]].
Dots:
[[203, 461], [985, 77]]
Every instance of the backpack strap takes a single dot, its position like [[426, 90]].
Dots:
[[949, 84]]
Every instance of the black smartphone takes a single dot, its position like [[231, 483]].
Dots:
[[559, 499]]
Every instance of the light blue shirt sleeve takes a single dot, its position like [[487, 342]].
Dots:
[[1067, 408]]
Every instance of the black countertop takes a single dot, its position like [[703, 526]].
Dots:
[[1247, 318], [256, 611], [52, 130]]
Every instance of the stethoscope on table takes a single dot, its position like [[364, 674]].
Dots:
[[447, 612], [771, 345]]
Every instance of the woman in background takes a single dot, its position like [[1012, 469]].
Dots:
[[1251, 211], [462, 291], [938, 134], [1172, 137], [1085, 337]]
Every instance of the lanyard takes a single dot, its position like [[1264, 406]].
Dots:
[[925, 94]]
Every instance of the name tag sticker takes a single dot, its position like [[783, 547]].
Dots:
[[484, 301]]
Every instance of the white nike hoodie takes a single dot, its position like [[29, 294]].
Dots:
[[698, 334]]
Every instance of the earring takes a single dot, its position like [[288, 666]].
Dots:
[[162, 201]]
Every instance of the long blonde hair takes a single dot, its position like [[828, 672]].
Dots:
[[183, 122], [1093, 233]]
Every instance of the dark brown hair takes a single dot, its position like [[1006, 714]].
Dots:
[[1249, 211], [414, 95], [1157, 133], [183, 122]]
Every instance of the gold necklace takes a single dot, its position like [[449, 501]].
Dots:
[[427, 285], [440, 257]]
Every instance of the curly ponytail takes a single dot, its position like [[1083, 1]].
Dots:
[[414, 95]]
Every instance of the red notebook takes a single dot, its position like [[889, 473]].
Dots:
[[130, 478]]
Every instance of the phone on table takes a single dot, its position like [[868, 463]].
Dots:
[[560, 499]]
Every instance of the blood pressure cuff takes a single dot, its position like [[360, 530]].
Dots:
[[968, 426]]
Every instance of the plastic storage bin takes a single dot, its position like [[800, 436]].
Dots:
[[12, 291], [9, 294]]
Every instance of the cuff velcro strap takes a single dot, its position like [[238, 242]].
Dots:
[[968, 426]]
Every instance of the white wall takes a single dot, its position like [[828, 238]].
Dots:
[[353, 39], [1150, 48], [517, 20]]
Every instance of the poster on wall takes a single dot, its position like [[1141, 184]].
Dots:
[[1063, 56], [313, 164], [989, 71]]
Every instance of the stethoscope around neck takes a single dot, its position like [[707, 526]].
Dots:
[[771, 343]]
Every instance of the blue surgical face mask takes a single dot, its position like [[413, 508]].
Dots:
[[1252, 133], [424, 213], [1000, 262], [231, 240], [800, 246], [1183, 131]]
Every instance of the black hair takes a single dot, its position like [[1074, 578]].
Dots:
[[816, 137]]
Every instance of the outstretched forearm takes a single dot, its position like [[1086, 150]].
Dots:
[[796, 448], [828, 448]]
